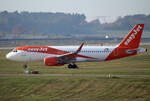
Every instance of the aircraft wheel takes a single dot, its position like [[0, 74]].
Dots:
[[70, 66], [74, 66], [25, 66]]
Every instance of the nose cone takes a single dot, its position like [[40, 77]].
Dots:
[[8, 56]]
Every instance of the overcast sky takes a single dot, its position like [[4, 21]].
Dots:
[[106, 10]]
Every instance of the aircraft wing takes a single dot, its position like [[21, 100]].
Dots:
[[69, 57]]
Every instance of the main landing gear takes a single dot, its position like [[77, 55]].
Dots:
[[73, 66]]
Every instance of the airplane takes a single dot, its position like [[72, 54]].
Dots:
[[60, 55]]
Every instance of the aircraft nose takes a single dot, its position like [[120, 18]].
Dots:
[[8, 56]]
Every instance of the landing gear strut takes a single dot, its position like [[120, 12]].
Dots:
[[73, 66], [29, 71], [25, 66], [26, 71]]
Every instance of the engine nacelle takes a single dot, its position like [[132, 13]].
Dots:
[[52, 61]]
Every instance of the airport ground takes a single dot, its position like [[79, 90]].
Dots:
[[130, 81]]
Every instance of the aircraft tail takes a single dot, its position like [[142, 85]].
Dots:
[[132, 40], [129, 45]]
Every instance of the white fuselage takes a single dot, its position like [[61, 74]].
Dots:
[[98, 53]]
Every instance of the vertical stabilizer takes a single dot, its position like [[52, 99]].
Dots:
[[132, 40]]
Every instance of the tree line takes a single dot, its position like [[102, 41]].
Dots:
[[46, 23], [62, 23]]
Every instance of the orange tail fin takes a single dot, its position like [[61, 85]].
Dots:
[[132, 40]]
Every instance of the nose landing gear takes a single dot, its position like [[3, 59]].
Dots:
[[29, 71], [25, 66]]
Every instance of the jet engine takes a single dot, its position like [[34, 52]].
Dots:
[[53, 61]]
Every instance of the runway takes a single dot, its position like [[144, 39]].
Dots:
[[76, 75]]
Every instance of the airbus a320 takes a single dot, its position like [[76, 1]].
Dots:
[[60, 55]]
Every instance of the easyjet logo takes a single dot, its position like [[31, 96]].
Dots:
[[37, 49], [133, 35]]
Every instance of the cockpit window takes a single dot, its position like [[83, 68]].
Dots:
[[14, 50]]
